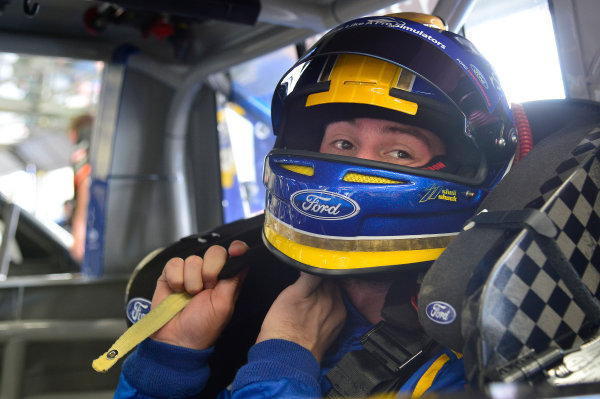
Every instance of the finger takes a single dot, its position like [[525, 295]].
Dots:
[[167, 280], [173, 273], [192, 274], [237, 248], [214, 259]]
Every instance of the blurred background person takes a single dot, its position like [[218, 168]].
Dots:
[[80, 132]]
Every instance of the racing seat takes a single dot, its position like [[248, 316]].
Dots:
[[476, 256], [519, 286]]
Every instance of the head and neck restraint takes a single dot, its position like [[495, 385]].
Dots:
[[518, 288]]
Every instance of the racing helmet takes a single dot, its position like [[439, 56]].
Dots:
[[337, 215]]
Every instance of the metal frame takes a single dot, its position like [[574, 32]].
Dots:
[[16, 335], [11, 219]]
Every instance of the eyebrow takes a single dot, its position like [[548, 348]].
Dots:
[[410, 130], [405, 129]]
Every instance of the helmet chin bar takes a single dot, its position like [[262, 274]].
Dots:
[[335, 215]]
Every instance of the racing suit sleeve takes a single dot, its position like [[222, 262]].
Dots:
[[278, 368], [275, 368], [159, 370]]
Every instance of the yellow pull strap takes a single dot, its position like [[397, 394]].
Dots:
[[141, 330]]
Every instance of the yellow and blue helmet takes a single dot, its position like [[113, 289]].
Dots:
[[337, 215]]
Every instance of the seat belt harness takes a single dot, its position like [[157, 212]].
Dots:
[[389, 357]]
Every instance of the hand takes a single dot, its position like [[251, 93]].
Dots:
[[200, 323], [309, 312]]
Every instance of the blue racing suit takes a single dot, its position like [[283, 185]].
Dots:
[[275, 368]]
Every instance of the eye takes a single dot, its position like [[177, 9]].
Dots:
[[400, 154], [344, 145]]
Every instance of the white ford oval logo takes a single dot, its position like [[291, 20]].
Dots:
[[441, 312], [325, 205], [137, 308]]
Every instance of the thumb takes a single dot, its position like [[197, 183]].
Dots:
[[227, 290], [307, 283]]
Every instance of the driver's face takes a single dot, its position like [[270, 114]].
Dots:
[[382, 140]]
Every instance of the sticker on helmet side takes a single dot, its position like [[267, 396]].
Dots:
[[480, 76], [324, 205], [137, 308], [437, 192], [441, 312], [413, 28]]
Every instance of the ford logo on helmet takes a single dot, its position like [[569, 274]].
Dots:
[[324, 205], [441, 312]]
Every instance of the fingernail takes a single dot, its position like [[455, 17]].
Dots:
[[238, 243]]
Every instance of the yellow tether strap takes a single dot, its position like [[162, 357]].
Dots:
[[141, 330]]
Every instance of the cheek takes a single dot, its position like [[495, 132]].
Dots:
[[438, 148], [422, 151]]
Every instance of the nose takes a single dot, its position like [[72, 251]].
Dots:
[[367, 153]]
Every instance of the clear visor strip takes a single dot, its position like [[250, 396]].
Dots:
[[362, 243]]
